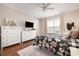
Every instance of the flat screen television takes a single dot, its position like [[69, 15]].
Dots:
[[29, 24]]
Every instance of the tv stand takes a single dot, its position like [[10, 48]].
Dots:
[[28, 35]]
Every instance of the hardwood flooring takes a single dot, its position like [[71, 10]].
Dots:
[[12, 50]]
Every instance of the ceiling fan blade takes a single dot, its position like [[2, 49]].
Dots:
[[43, 5], [47, 4], [49, 8]]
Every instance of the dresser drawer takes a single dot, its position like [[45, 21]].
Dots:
[[7, 42], [10, 35]]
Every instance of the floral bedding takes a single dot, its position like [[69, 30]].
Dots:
[[54, 43]]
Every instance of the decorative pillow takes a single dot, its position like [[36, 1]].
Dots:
[[74, 34], [68, 35]]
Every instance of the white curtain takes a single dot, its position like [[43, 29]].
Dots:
[[61, 24], [43, 27]]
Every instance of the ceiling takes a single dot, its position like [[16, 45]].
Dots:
[[34, 9]]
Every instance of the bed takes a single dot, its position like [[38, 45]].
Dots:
[[54, 43]]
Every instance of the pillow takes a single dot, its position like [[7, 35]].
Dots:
[[74, 34], [68, 35]]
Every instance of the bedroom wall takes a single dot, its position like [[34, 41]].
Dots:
[[16, 15], [20, 18], [68, 18], [71, 17]]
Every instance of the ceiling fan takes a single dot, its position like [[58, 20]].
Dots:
[[45, 6]]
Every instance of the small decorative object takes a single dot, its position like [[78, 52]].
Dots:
[[33, 29], [70, 25], [10, 22]]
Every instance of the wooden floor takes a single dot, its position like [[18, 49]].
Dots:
[[12, 50]]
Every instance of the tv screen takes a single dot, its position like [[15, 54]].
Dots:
[[28, 24]]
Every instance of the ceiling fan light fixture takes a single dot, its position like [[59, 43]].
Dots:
[[45, 6]]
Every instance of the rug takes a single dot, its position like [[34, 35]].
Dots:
[[34, 51]]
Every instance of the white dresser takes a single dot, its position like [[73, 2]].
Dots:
[[28, 35], [13, 35], [10, 35]]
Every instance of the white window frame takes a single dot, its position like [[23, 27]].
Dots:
[[53, 19]]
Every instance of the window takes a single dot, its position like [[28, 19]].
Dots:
[[53, 25]]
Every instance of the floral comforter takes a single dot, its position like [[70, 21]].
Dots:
[[54, 43]]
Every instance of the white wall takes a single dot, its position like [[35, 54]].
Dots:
[[68, 18], [20, 18], [16, 15], [71, 17]]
